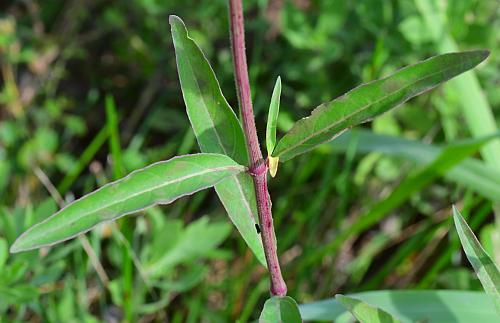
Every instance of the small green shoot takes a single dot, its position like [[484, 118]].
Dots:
[[272, 119]]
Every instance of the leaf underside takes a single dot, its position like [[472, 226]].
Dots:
[[485, 268], [372, 99], [159, 183], [217, 130]]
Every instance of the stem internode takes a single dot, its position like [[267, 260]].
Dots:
[[278, 286]]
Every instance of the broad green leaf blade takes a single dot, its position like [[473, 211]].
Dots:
[[470, 173], [217, 130], [280, 310], [485, 268], [365, 312], [412, 306], [372, 99], [160, 183], [272, 117]]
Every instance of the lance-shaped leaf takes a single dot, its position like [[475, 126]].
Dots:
[[217, 130], [280, 310], [272, 118], [485, 268], [159, 183], [365, 312], [370, 100]]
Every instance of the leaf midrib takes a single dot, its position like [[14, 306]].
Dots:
[[363, 108], [240, 188], [177, 180]]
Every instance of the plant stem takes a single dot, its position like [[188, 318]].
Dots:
[[258, 167]]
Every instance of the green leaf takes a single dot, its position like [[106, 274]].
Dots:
[[272, 117], [411, 306], [370, 100], [217, 130], [214, 123], [470, 173], [485, 268], [280, 310], [364, 312], [159, 183]]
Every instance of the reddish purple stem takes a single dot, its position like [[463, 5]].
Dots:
[[278, 286]]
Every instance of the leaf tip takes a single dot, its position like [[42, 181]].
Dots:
[[478, 55], [343, 300], [172, 19], [483, 53], [456, 213], [17, 246]]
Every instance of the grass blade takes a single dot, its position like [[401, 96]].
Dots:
[[370, 100], [446, 160], [485, 268], [411, 306], [160, 183], [476, 109], [365, 312], [85, 158], [280, 310], [114, 137], [470, 173], [217, 130]]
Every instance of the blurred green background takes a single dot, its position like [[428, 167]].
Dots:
[[90, 92]]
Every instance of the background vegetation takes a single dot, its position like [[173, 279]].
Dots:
[[90, 92]]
